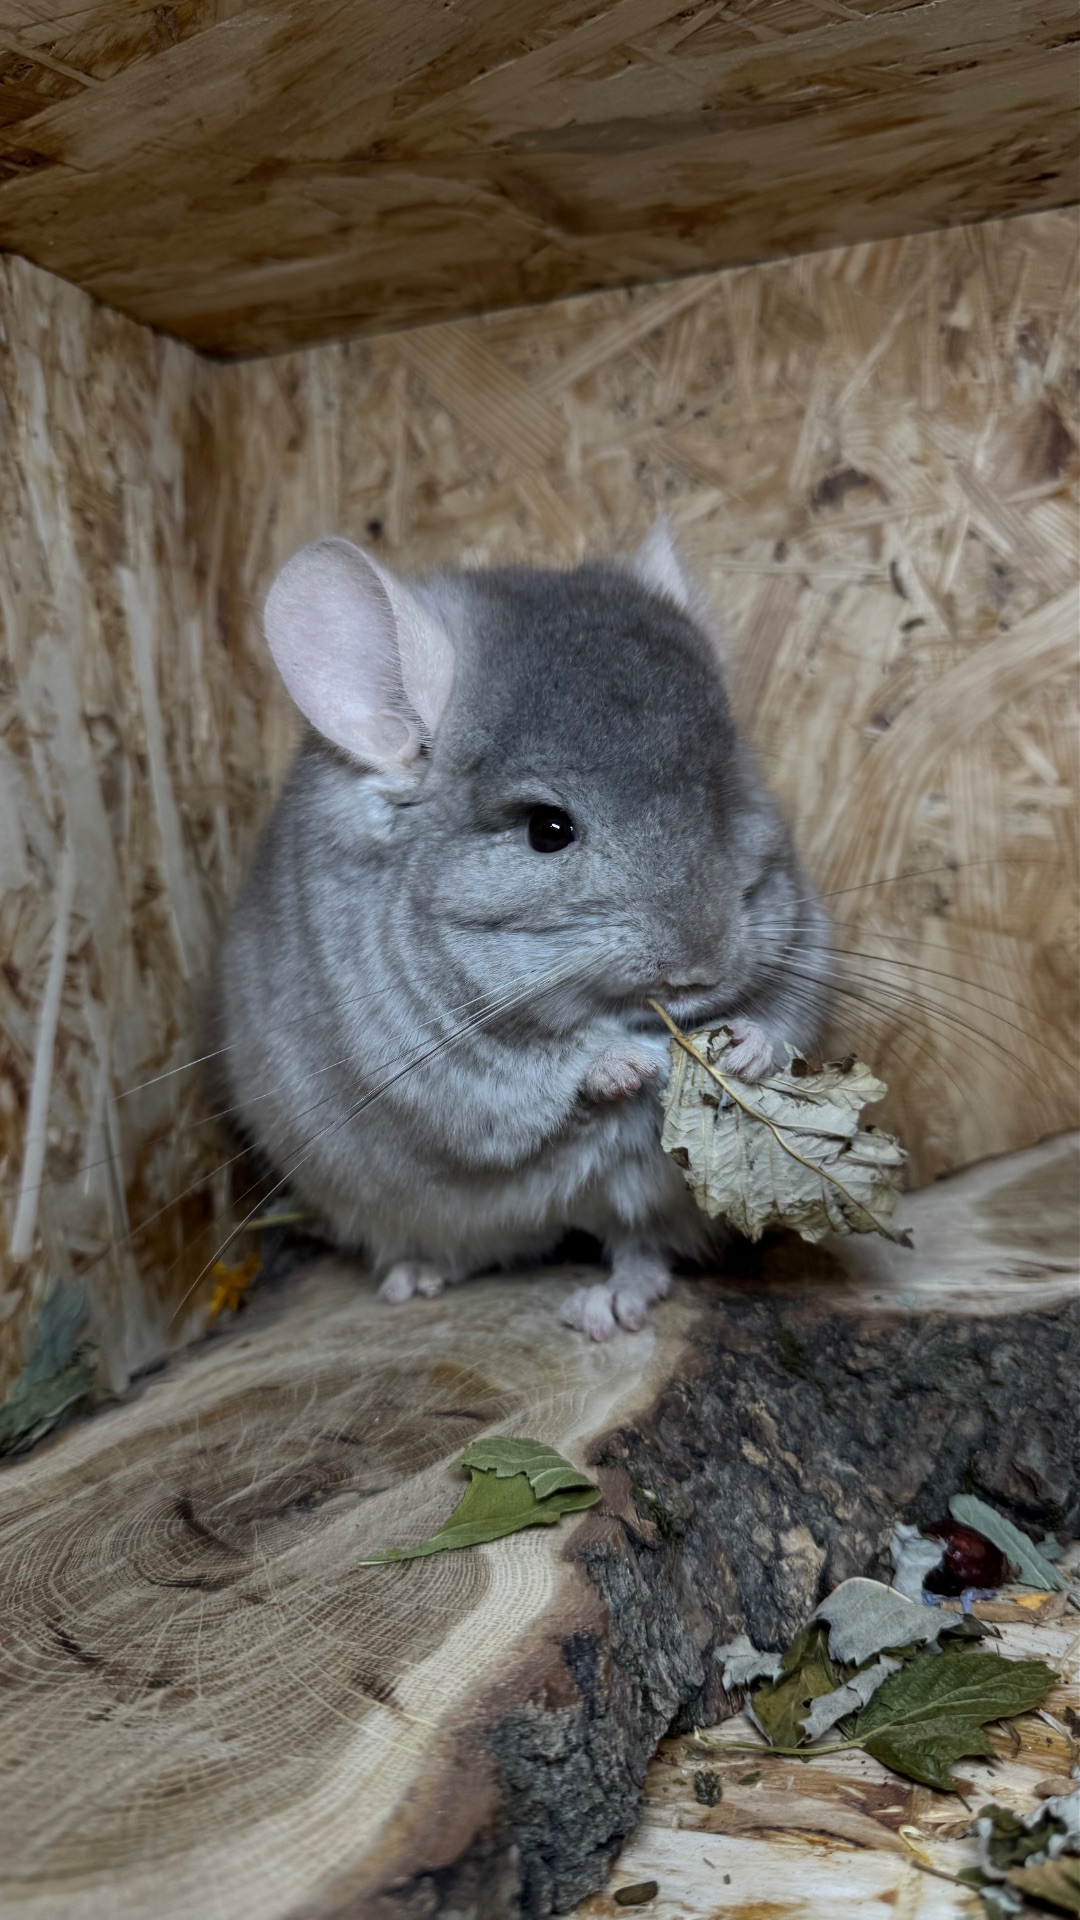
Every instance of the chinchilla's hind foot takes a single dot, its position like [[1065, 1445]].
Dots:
[[639, 1275], [408, 1278]]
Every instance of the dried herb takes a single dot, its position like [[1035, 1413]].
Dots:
[[58, 1378], [935, 1710], [513, 1484], [786, 1151], [638, 1895], [1034, 1569]]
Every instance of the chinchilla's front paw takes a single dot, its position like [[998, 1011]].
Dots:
[[622, 1070], [752, 1054]]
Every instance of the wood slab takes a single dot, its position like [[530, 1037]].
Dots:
[[211, 1709]]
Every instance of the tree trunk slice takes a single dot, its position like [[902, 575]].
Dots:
[[211, 1709]]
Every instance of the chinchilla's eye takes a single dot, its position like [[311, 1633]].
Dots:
[[550, 830]]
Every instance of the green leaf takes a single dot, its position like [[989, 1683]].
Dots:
[[933, 1712], [501, 1498], [780, 1706], [1056, 1883], [36, 1407], [57, 1377], [1035, 1571], [547, 1471]]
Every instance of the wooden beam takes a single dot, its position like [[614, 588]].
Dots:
[[254, 177]]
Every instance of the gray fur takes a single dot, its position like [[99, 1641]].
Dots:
[[389, 902]]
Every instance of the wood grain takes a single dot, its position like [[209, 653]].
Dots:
[[211, 1707], [253, 176]]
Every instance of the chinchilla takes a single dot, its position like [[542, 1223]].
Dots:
[[521, 811]]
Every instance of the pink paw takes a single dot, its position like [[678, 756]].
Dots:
[[620, 1072], [407, 1278], [752, 1053], [600, 1310]]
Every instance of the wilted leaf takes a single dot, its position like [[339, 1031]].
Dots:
[[57, 1378], [913, 1557], [1008, 1839], [502, 1499], [1035, 1569], [786, 1151], [743, 1662], [779, 1706], [854, 1693], [546, 1470], [933, 1712], [865, 1618], [1056, 1883]]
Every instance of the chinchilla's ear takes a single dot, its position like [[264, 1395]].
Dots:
[[365, 662], [657, 565]]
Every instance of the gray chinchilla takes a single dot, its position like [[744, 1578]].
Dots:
[[523, 809]]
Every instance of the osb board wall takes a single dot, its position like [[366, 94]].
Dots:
[[133, 747], [870, 456], [254, 174]]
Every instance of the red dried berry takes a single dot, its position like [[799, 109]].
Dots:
[[969, 1560]]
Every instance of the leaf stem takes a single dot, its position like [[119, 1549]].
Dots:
[[820, 1173]]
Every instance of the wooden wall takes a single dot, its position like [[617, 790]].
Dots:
[[135, 728], [870, 455]]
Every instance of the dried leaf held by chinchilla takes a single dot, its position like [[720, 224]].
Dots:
[[786, 1151]]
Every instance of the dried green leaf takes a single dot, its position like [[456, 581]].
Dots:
[[546, 1470], [35, 1408], [57, 1378], [1056, 1883], [1035, 1570], [638, 1895], [779, 1706], [933, 1712], [865, 1618], [502, 1499], [849, 1697], [786, 1151]]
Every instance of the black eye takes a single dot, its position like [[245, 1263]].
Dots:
[[550, 830]]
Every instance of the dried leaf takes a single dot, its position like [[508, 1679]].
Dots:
[[638, 1895], [501, 1498], [913, 1557], [779, 1706], [1008, 1840], [933, 1712], [1056, 1883], [865, 1618], [743, 1662], [233, 1284], [854, 1693], [56, 1379], [546, 1470], [1035, 1569], [786, 1151]]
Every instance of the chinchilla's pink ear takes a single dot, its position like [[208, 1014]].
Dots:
[[657, 565], [365, 662]]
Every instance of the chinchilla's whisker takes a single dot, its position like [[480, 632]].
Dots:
[[957, 980], [206, 1119], [894, 1000], [169, 1073], [906, 1046], [555, 977], [924, 873]]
